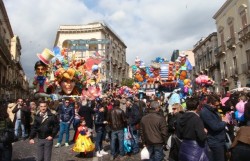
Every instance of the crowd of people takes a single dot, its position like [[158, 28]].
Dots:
[[205, 129]]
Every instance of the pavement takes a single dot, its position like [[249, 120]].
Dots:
[[23, 151]]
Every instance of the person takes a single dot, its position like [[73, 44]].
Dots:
[[83, 143], [247, 110], [215, 125], [133, 119], [66, 112], [5, 140], [240, 147], [11, 106], [46, 128], [87, 112], [191, 131], [117, 121], [153, 130], [100, 124], [177, 112], [77, 118], [19, 118]]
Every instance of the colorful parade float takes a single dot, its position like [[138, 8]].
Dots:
[[163, 76], [59, 74]]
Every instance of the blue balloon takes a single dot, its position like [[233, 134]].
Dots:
[[56, 50]]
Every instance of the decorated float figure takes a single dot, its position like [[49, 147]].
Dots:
[[41, 81], [70, 81], [155, 69]]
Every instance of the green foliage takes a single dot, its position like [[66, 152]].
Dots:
[[127, 82]]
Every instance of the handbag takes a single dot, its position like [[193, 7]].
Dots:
[[144, 153], [228, 142], [127, 140]]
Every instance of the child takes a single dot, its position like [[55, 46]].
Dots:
[[100, 131], [83, 143]]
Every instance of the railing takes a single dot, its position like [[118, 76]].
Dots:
[[231, 43], [245, 68], [5, 49], [243, 34], [220, 50]]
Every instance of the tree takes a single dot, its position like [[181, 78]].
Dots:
[[128, 82]]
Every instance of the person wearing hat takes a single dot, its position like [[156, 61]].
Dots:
[[153, 132]]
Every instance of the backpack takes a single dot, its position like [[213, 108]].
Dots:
[[7, 135]]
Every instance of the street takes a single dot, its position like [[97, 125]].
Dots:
[[23, 151]]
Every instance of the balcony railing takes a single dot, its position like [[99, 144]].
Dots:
[[245, 68], [244, 34], [220, 51], [5, 49], [231, 43]]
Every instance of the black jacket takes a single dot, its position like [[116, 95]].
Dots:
[[190, 127], [6, 131], [44, 128], [153, 129], [133, 115], [24, 112], [99, 119], [117, 119], [87, 112], [216, 132]]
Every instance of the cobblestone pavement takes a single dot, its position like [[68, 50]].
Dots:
[[23, 151]]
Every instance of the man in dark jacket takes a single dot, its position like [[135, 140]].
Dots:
[[153, 129], [215, 125], [46, 127], [133, 119], [117, 121], [20, 119], [67, 113]]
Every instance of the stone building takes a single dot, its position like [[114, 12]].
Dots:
[[206, 60], [233, 51], [97, 37], [13, 82]]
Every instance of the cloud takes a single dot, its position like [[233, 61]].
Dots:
[[149, 28]]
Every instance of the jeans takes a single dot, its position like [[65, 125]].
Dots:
[[64, 128], [17, 124], [218, 153], [241, 152], [135, 140], [155, 152], [120, 136], [44, 149], [98, 140], [5, 152]]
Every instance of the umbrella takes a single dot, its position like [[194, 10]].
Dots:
[[224, 100]]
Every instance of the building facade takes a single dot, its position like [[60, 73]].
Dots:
[[233, 51], [99, 38], [206, 60], [13, 83]]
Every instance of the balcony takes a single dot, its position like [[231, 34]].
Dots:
[[4, 49], [245, 68], [244, 34], [231, 43], [220, 51]]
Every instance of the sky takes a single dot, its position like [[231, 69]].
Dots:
[[149, 28]]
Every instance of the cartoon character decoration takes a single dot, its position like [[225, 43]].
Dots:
[[69, 80], [155, 69], [187, 87], [41, 81], [136, 66], [170, 71]]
